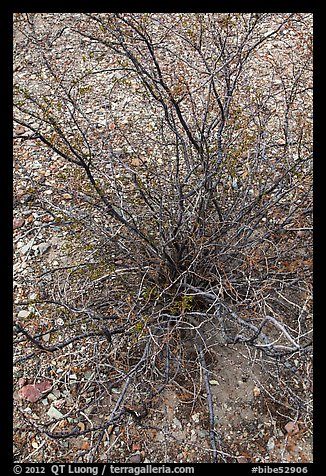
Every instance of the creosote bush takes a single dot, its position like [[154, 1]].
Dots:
[[184, 142]]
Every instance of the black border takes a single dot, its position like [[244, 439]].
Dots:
[[6, 199]]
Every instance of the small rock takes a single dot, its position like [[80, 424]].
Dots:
[[213, 382], [81, 425], [24, 314], [17, 372], [135, 458], [67, 196], [25, 249], [256, 391], [136, 162], [30, 393], [36, 165], [242, 459], [47, 218], [56, 392], [85, 445], [18, 222], [88, 374], [195, 417], [136, 447], [177, 423], [45, 386], [43, 247], [19, 129], [193, 436], [291, 427], [59, 403], [27, 197], [52, 397], [21, 382], [54, 413], [270, 444], [203, 433]]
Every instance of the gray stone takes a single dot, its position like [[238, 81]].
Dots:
[[54, 413], [25, 249], [43, 247], [177, 423], [46, 337], [52, 397], [88, 374], [24, 314], [270, 444], [195, 417], [193, 436], [203, 433], [17, 373]]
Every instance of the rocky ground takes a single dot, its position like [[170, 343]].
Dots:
[[57, 392]]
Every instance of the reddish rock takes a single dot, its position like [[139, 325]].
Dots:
[[291, 427], [19, 129], [44, 386], [34, 392], [136, 447], [30, 393], [21, 382], [18, 222]]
